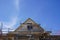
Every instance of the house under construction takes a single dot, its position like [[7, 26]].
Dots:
[[29, 30]]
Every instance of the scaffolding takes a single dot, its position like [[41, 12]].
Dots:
[[4, 32], [31, 37]]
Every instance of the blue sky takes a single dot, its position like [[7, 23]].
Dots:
[[44, 12]]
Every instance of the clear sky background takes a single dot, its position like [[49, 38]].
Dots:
[[44, 12]]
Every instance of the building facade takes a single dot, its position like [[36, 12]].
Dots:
[[29, 30]]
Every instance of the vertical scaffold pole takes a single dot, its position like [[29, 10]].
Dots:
[[1, 29]]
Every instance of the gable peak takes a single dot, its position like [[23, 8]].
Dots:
[[29, 20]]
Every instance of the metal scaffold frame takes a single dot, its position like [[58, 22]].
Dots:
[[4, 32]]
